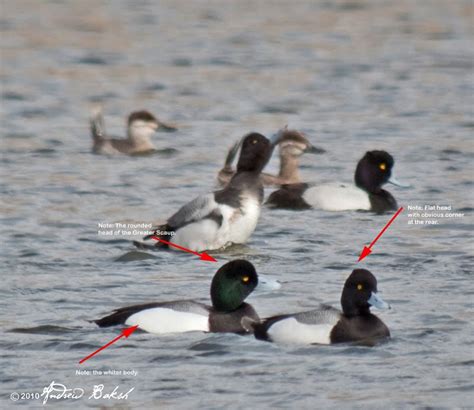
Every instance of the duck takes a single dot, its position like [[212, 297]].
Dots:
[[327, 325], [231, 285], [141, 125], [292, 145], [226, 216], [372, 172]]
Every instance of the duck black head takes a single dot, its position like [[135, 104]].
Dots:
[[255, 153], [374, 170]]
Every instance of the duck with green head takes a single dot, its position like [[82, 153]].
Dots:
[[231, 285]]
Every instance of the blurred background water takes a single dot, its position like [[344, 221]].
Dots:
[[354, 75]]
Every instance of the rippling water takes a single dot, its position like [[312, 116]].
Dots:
[[354, 75]]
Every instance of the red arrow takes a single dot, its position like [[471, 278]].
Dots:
[[203, 256], [368, 249], [125, 333]]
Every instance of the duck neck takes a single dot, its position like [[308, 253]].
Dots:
[[225, 300], [244, 176], [350, 310], [289, 168], [140, 138]]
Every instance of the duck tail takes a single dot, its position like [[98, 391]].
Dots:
[[164, 232], [120, 316], [97, 125], [257, 327], [231, 154], [227, 171], [249, 324], [114, 319]]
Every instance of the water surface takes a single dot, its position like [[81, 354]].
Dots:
[[354, 75]]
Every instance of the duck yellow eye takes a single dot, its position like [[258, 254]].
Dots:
[[359, 287], [383, 166], [254, 141], [245, 279]]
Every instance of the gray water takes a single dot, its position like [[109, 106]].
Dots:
[[353, 75]]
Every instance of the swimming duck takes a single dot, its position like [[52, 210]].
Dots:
[[292, 145], [224, 217], [328, 325], [373, 171], [231, 285], [141, 125]]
